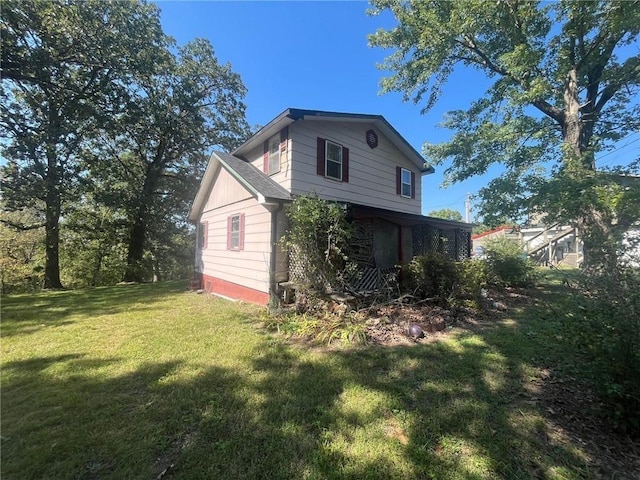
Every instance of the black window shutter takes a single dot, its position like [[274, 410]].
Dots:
[[345, 164], [413, 185], [398, 180], [320, 165]]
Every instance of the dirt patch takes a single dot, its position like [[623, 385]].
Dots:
[[391, 324]]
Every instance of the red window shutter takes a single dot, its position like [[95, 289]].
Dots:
[[241, 246], [413, 185], [265, 158], [345, 164], [398, 180], [229, 223], [321, 156], [206, 235]]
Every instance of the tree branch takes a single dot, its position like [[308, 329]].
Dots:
[[20, 226]]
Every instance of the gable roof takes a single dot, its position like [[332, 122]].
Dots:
[[291, 115], [263, 188]]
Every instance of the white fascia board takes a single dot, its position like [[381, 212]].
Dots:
[[204, 188]]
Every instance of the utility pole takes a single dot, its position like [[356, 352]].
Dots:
[[467, 209]]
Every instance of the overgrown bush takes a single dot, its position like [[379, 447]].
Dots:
[[318, 237], [473, 276], [445, 281], [604, 326], [509, 264], [430, 276]]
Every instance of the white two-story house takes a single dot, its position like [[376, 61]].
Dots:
[[359, 160]]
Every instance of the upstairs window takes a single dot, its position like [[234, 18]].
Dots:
[[275, 150], [274, 154], [333, 160], [405, 183]]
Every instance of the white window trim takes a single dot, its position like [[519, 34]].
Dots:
[[327, 160], [403, 183], [275, 139]]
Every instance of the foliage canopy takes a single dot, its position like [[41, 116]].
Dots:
[[565, 81]]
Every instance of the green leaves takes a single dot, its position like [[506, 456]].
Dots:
[[98, 105], [566, 86]]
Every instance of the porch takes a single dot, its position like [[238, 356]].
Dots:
[[383, 240]]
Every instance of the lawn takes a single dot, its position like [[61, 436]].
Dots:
[[149, 381]]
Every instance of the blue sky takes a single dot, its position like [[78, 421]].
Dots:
[[314, 55]]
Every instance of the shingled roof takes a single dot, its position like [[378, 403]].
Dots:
[[262, 187]]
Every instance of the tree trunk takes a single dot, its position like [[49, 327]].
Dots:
[[52, 244], [135, 270], [52, 222], [599, 243], [138, 237]]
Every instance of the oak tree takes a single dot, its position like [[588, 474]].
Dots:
[[65, 66], [565, 78]]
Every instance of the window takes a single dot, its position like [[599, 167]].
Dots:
[[333, 164], [275, 150], [274, 154], [406, 183], [203, 234], [333, 160], [235, 232]]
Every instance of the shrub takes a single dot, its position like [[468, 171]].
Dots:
[[509, 264], [448, 282], [318, 237], [604, 326], [430, 276], [473, 276]]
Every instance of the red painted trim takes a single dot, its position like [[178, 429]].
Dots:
[[489, 232], [320, 160], [233, 290], [345, 164]]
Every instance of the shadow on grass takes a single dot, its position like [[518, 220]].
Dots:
[[29, 312], [447, 410]]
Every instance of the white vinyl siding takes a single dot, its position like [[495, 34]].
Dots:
[[372, 172], [225, 190], [248, 267]]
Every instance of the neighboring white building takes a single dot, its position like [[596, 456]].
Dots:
[[360, 160], [554, 245]]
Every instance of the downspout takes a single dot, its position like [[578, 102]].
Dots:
[[273, 287]]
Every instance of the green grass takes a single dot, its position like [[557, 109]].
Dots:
[[129, 381]]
